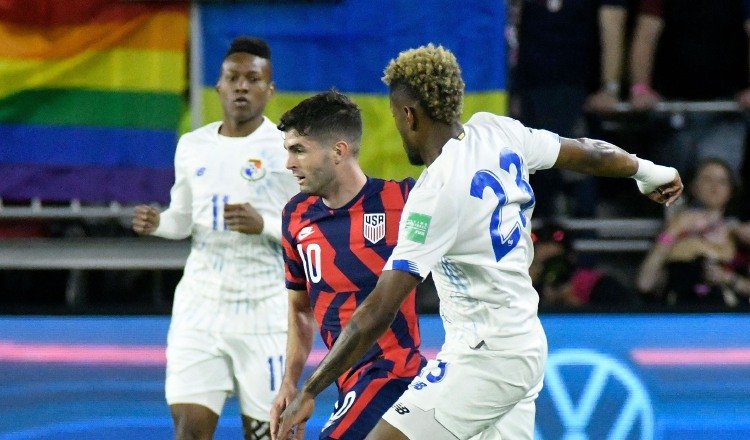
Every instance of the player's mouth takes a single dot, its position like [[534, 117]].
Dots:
[[241, 102]]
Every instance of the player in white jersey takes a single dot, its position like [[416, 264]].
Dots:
[[468, 220], [228, 328]]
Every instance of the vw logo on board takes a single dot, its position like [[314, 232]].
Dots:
[[588, 395]]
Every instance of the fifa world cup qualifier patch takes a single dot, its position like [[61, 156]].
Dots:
[[416, 227]]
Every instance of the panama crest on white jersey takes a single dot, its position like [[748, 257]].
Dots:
[[468, 220]]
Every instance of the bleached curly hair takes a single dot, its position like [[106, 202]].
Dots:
[[431, 74]]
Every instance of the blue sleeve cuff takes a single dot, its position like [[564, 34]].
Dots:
[[406, 266]]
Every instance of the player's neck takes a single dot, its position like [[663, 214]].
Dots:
[[345, 187], [230, 128], [436, 137]]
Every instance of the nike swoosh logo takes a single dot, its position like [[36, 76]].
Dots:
[[305, 232]]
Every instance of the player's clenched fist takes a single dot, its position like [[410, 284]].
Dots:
[[145, 219], [242, 217]]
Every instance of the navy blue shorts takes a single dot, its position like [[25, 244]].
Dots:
[[361, 404]]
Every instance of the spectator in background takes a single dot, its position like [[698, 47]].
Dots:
[[682, 268], [563, 283], [693, 50], [229, 321], [734, 279], [558, 67]]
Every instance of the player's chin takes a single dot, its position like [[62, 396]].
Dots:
[[414, 158], [306, 189], [243, 114]]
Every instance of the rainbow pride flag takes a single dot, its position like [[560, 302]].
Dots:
[[91, 93]]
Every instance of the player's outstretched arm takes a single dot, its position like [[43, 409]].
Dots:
[[298, 346], [367, 324], [599, 158]]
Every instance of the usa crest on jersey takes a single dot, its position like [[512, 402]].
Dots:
[[374, 227], [253, 170]]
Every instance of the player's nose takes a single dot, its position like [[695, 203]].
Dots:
[[243, 85], [291, 162]]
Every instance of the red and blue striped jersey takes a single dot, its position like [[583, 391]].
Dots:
[[337, 255]]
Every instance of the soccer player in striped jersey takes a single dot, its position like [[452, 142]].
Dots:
[[468, 220], [228, 328], [337, 234]]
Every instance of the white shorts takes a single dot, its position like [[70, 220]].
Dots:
[[203, 368], [473, 393]]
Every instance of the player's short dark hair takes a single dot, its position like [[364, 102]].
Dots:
[[326, 116], [251, 45]]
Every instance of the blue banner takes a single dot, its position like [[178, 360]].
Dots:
[[348, 44]]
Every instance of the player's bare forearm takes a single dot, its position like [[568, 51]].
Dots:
[[351, 345], [595, 157], [358, 336], [599, 158], [299, 335], [367, 324]]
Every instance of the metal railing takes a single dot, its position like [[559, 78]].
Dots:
[[685, 107], [93, 253], [612, 235], [74, 210]]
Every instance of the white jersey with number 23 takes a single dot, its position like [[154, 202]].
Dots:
[[468, 220]]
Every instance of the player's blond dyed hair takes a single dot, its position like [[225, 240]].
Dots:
[[433, 76]]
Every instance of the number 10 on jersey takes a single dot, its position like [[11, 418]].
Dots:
[[311, 262]]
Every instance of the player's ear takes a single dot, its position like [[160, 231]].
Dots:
[[271, 89], [411, 117], [340, 149]]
